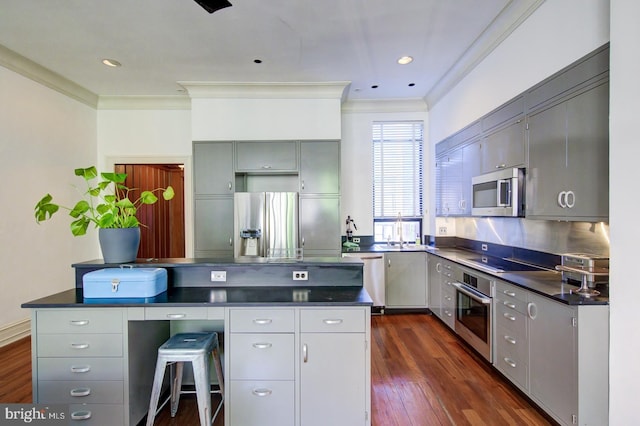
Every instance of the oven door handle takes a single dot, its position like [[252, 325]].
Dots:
[[475, 295]]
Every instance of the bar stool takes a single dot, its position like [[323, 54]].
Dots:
[[194, 348]]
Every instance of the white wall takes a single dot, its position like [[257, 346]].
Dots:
[[625, 233], [556, 34], [44, 136], [356, 173]]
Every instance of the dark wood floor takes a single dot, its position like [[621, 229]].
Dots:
[[421, 374]]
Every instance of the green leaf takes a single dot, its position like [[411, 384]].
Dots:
[[79, 226], [106, 220], [148, 197], [88, 173], [114, 177], [79, 209], [45, 209], [168, 193], [131, 222], [125, 203]]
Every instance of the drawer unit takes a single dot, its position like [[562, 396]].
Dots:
[[448, 303], [79, 321], [511, 356], [511, 296], [262, 356], [510, 319], [176, 313], [264, 403], [79, 345], [80, 369], [332, 320], [262, 320], [80, 392], [96, 414]]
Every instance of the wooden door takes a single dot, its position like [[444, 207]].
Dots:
[[162, 235]]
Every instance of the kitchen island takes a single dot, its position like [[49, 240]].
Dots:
[[98, 355]]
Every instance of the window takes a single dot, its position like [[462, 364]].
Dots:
[[397, 180]]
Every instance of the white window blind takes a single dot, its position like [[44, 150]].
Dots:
[[397, 169]]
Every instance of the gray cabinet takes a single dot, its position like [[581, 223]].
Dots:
[[267, 156], [504, 147], [213, 168], [320, 225], [333, 367], [568, 174], [471, 166], [405, 280], [555, 353], [441, 293], [213, 222], [434, 268], [450, 177], [319, 167]]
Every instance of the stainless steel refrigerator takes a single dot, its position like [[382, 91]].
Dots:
[[266, 224]]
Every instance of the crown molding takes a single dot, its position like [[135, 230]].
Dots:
[[385, 106], [33, 71], [266, 90], [511, 16], [176, 102]]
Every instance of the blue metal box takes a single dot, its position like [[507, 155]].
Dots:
[[124, 282]]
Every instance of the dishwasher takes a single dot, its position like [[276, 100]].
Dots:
[[373, 277]]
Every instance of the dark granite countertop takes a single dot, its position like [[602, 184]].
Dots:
[[212, 297], [545, 282]]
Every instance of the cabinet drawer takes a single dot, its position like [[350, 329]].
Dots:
[[512, 304], [511, 355], [332, 320], [262, 356], [79, 321], [80, 369], [264, 403], [175, 313], [79, 345], [512, 294], [80, 392], [262, 320], [511, 320], [96, 415]]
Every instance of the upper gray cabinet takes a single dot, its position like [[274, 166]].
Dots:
[[568, 172], [267, 156], [213, 168], [319, 167]]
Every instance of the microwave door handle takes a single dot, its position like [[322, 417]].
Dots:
[[500, 202]]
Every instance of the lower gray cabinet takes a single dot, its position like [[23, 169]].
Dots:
[[405, 280], [434, 268], [320, 226], [213, 227]]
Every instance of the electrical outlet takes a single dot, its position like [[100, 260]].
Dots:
[[356, 239], [484, 247], [442, 230], [300, 276], [218, 276]]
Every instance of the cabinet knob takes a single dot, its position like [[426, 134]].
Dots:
[[301, 184], [305, 353], [230, 186]]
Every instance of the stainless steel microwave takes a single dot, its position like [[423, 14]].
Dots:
[[499, 193]]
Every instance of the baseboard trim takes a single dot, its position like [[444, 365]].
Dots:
[[14, 332]]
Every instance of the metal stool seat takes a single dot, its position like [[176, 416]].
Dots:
[[194, 348]]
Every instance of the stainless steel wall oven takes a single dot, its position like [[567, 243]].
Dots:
[[473, 311]]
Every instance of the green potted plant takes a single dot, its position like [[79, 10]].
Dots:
[[108, 205]]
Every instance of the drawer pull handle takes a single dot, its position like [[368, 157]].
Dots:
[[305, 353], [80, 345], [332, 321], [80, 392], [176, 316], [509, 305], [79, 323], [510, 339], [262, 392], [511, 362], [262, 345], [81, 415], [80, 368], [509, 317], [509, 293], [262, 321]]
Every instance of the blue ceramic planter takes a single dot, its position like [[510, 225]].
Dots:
[[119, 245]]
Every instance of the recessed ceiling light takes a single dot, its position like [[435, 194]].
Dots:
[[375, 86], [257, 61], [411, 84], [405, 60], [111, 63]]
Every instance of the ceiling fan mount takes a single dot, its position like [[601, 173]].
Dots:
[[213, 5]]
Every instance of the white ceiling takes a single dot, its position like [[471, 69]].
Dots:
[[162, 42]]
